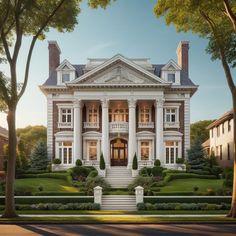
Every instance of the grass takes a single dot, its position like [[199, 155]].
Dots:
[[186, 185], [48, 184]]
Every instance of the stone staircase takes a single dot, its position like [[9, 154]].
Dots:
[[119, 177], [119, 202]]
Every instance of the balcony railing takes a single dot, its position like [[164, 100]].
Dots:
[[91, 125], [145, 125], [171, 125], [118, 127], [65, 125]]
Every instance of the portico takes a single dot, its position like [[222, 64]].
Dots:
[[117, 128]]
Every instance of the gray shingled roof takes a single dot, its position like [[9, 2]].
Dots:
[[52, 80]]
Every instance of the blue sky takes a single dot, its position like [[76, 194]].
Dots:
[[129, 28]]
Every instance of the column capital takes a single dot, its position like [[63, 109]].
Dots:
[[132, 103], [77, 103], [159, 102], [105, 103]]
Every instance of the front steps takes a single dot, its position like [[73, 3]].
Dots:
[[118, 203], [119, 177]]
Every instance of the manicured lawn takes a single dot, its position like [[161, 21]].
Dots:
[[48, 184], [181, 185]]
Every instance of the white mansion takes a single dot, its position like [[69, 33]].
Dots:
[[119, 107]]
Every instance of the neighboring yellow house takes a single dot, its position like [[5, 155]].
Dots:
[[222, 140]]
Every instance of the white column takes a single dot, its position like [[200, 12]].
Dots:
[[159, 130], [132, 149], [77, 130], [105, 132]]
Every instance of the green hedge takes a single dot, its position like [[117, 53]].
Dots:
[[60, 194], [182, 206], [61, 200], [173, 176], [156, 193], [57, 206], [196, 199]]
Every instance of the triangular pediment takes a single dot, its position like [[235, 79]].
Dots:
[[171, 65], [65, 65], [118, 71]]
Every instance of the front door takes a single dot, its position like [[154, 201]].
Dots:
[[119, 152]]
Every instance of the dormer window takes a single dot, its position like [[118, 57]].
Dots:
[[171, 77], [65, 77]]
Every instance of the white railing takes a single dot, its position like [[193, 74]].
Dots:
[[65, 125], [144, 125], [91, 125], [122, 127], [171, 125]]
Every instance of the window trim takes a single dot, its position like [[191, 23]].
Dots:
[[177, 144], [87, 113], [88, 149], [62, 147], [62, 124], [175, 124], [149, 149]]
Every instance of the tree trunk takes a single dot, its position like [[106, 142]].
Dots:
[[232, 212], [10, 211]]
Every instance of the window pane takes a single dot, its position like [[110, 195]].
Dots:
[[167, 156], [70, 155], [65, 156], [172, 155], [65, 77], [171, 77]]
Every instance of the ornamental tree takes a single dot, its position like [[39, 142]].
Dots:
[[32, 19], [214, 20]]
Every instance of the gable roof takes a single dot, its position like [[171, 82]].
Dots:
[[116, 59], [80, 71], [226, 116], [171, 63]]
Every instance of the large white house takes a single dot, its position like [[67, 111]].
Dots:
[[120, 107], [221, 142]]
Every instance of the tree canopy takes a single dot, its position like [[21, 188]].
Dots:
[[198, 130]]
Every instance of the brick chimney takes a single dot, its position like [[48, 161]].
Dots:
[[54, 55], [182, 55]]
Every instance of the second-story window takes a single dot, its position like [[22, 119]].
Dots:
[[66, 115], [145, 115], [118, 115], [93, 115], [229, 126], [218, 130], [170, 115]]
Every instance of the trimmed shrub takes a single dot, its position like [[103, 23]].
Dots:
[[145, 171], [79, 173], [228, 174], [78, 162], [40, 188], [56, 161], [59, 206], [93, 174], [180, 161], [91, 183], [195, 188], [157, 162], [102, 164], [51, 199], [135, 162], [182, 206], [157, 171], [145, 182], [216, 200]]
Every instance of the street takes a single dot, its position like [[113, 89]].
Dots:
[[118, 229]]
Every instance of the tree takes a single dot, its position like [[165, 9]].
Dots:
[[102, 164], [20, 19], [216, 21], [196, 157], [30, 136], [39, 157], [135, 162], [199, 130]]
